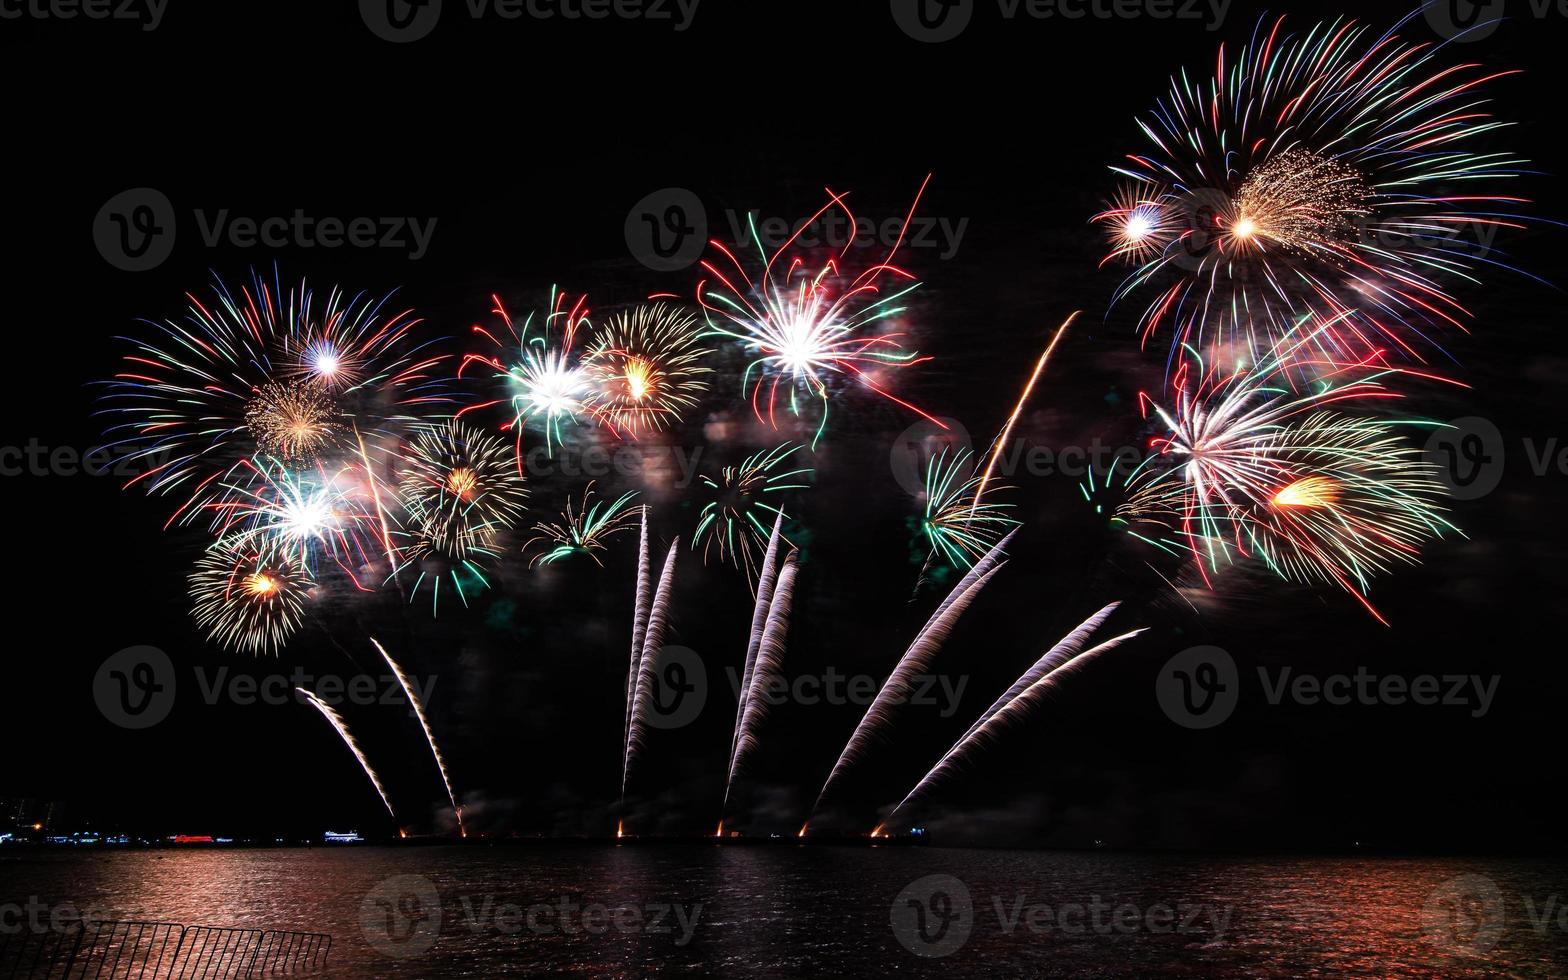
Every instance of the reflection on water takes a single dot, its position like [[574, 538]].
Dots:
[[824, 911]]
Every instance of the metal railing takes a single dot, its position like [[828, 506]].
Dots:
[[116, 950]]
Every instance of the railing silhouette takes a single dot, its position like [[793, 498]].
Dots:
[[111, 950]]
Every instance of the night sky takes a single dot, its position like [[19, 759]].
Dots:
[[529, 143]]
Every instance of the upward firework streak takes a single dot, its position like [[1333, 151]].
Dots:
[[1058, 663], [915, 661], [647, 667], [766, 583], [1330, 175], [1023, 399], [338, 725], [430, 735], [805, 329]]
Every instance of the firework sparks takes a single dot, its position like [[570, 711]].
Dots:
[[1331, 174], [542, 370], [341, 727], [584, 529], [459, 489], [295, 421], [767, 669], [915, 661], [733, 526], [957, 526], [424, 724], [805, 329], [766, 583], [644, 369], [658, 622], [249, 598]]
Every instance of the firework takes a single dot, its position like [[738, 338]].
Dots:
[[541, 368], [658, 621], [459, 489], [311, 513], [248, 597], [583, 530], [767, 580], [1254, 467], [264, 370], [767, 669], [1060, 662], [424, 724], [1334, 174], [807, 328], [338, 725], [957, 526], [732, 527], [643, 369], [915, 661]]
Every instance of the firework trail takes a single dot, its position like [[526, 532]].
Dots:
[[731, 526], [336, 721], [643, 369], [430, 735], [1002, 437], [249, 598], [265, 369], [1060, 663], [769, 665], [759, 616], [584, 530], [648, 665], [806, 328], [915, 660], [1332, 175], [640, 615]]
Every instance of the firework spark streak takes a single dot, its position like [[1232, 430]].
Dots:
[[640, 615], [959, 528], [643, 369], [915, 661], [1023, 399], [766, 583], [731, 526], [543, 373], [584, 530], [648, 666], [249, 598], [768, 668], [1333, 175], [1058, 664], [265, 369], [806, 328], [430, 735], [338, 725]]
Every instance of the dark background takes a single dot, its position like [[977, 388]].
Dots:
[[529, 141]]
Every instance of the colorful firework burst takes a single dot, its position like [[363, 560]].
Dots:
[[311, 514], [1254, 467], [584, 529], [734, 525], [958, 524], [249, 597], [807, 329], [459, 489], [1330, 175], [264, 370], [643, 369], [543, 373]]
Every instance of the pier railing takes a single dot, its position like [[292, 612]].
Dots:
[[119, 950]]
